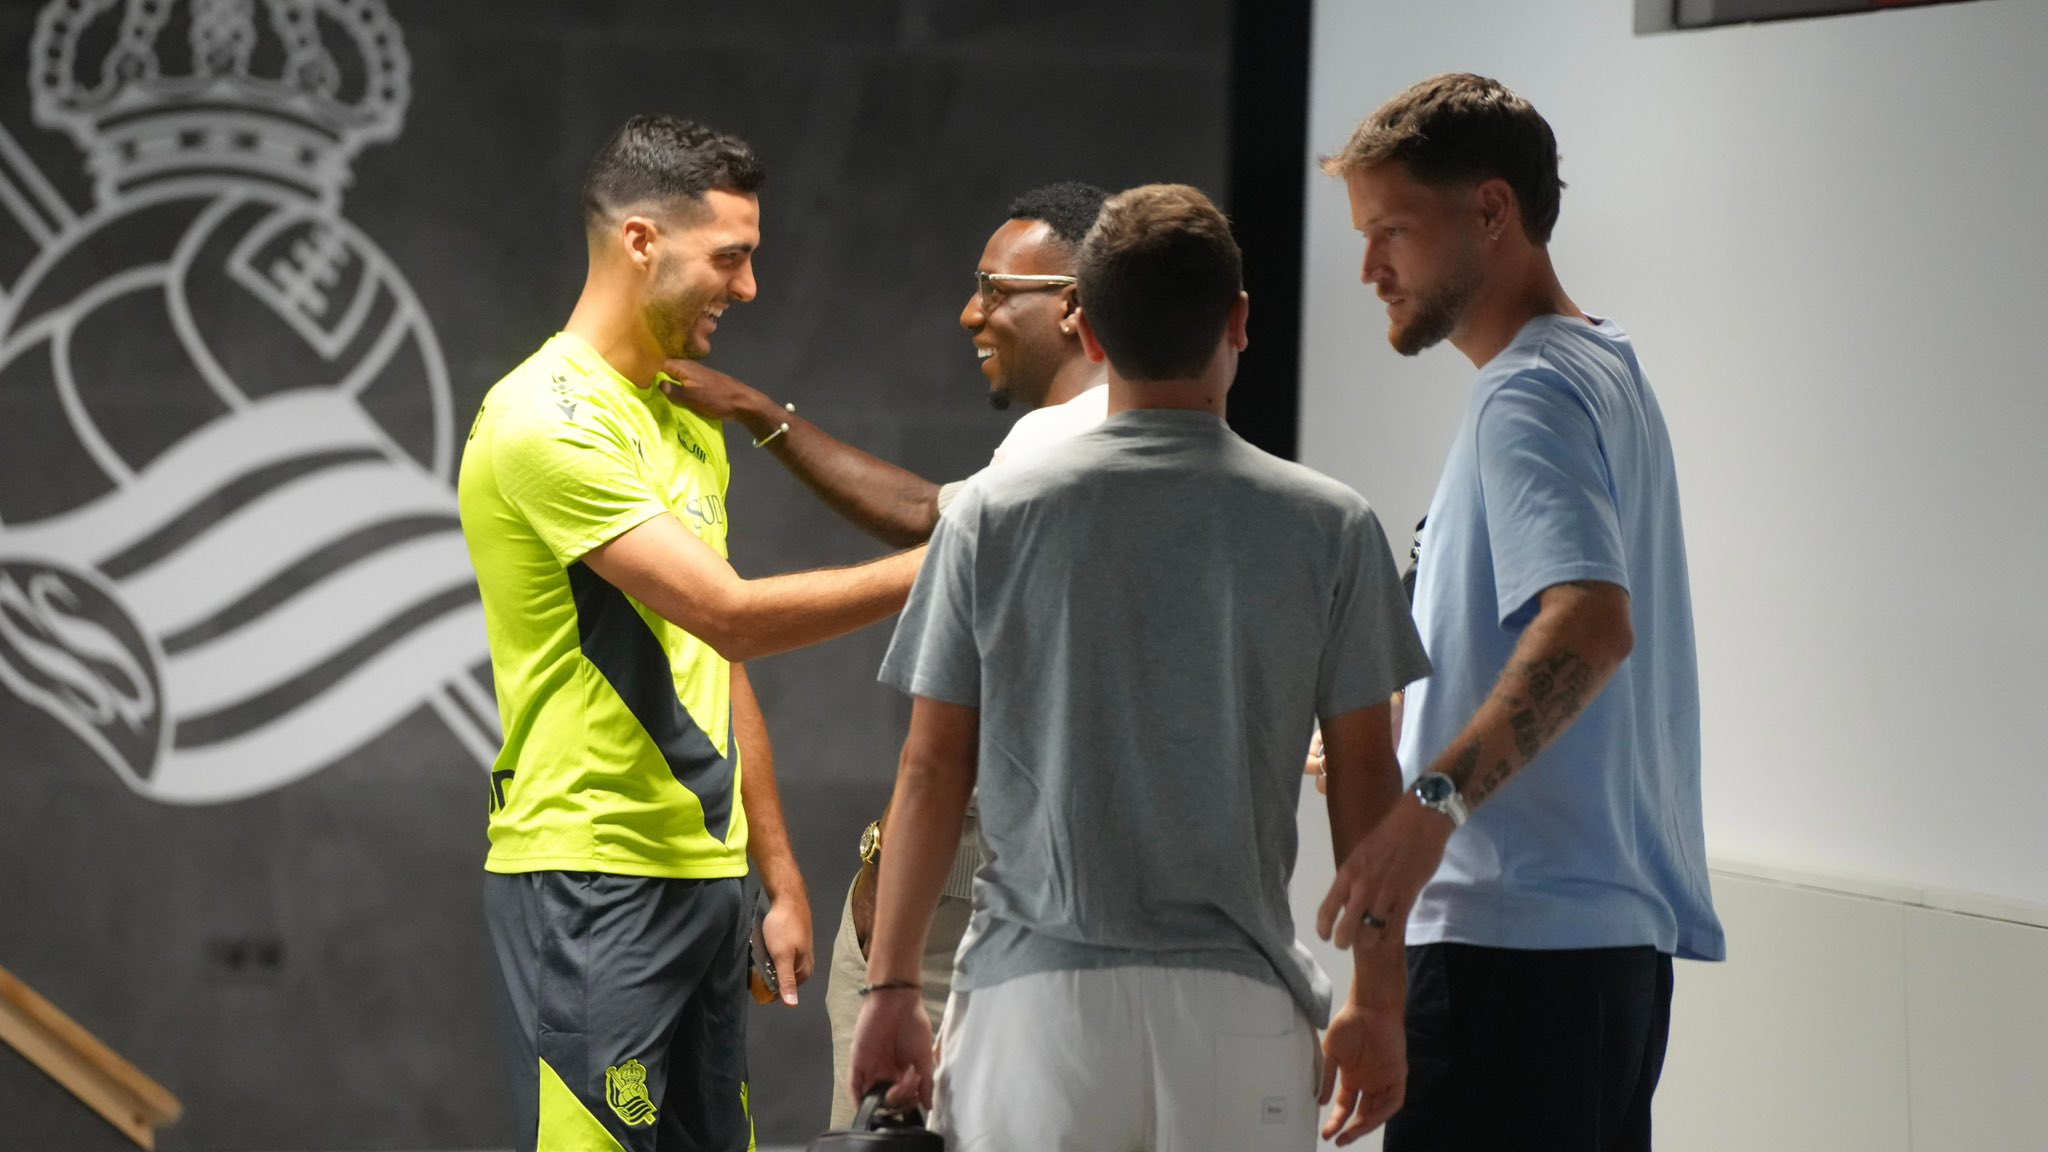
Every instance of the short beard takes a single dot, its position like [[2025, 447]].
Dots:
[[1438, 313], [674, 338], [673, 330], [1026, 381]]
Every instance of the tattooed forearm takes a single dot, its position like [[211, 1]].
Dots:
[[1556, 688], [1528, 736], [1581, 634], [1479, 792], [1460, 770], [1543, 696]]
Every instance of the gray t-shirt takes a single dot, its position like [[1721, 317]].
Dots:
[[1149, 621]]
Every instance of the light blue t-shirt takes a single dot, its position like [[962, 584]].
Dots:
[[1149, 620], [1562, 471]]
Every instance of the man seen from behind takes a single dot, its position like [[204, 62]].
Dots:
[[1124, 645]]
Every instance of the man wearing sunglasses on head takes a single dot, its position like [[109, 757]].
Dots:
[[1022, 320]]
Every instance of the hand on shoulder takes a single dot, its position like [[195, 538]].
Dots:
[[708, 392]]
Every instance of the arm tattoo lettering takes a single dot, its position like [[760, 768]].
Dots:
[[1556, 687], [1554, 692], [1528, 740], [1461, 769], [1494, 779]]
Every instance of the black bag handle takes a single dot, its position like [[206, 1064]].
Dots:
[[864, 1118], [872, 1109]]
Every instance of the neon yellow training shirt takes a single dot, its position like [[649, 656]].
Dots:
[[618, 751]]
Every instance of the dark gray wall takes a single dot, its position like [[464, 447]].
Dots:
[[305, 967]]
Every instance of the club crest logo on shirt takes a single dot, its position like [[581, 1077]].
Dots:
[[625, 1089], [229, 550]]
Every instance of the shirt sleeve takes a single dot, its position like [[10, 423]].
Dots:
[[1549, 497], [934, 652], [1372, 649], [578, 482], [949, 492]]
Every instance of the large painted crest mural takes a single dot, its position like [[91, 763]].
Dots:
[[261, 569]]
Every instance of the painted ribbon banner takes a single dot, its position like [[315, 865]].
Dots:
[[269, 572]]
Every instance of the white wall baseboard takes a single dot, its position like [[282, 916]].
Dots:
[[1859, 1015], [1892, 891]]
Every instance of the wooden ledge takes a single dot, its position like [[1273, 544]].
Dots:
[[75, 1058]]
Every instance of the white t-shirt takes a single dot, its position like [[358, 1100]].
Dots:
[[1037, 433]]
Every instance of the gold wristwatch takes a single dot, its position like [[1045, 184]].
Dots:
[[871, 843]]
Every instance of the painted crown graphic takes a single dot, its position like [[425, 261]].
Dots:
[[264, 571], [286, 90]]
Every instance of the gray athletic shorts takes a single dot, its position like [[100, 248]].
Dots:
[[623, 1006]]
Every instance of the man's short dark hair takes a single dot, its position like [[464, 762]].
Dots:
[[664, 161], [1069, 208], [1159, 274], [1461, 128]]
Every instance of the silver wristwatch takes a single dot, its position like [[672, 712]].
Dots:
[[1439, 793]]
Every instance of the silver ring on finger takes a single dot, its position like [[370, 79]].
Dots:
[[1372, 921]]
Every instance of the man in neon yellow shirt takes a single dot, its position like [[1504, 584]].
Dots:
[[636, 777]]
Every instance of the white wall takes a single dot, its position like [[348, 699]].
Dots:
[[1830, 241]]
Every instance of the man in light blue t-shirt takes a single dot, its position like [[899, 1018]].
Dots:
[[1552, 862]]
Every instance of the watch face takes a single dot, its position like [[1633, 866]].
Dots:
[[1435, 788], [870, 843]]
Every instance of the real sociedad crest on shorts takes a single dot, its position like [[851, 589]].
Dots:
[[229, 551]]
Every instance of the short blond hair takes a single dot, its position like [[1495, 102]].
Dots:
[[1457, 128]]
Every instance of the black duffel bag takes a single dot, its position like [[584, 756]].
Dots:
[[879, 1129]]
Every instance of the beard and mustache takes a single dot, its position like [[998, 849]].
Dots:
[[1438, 309], [673, 310]]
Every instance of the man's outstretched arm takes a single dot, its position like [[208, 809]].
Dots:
[[889, 503], [663, 565]]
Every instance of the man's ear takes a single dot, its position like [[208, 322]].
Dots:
[[1070, 317], [637, 236], [1089, 344], [1497, 207], [1239, 326]]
